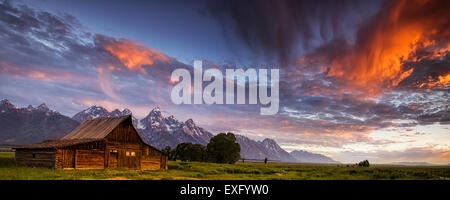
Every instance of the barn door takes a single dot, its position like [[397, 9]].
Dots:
[[113, 157], [68, 158], [131, 160]]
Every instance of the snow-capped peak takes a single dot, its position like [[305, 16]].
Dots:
[[126, 111], [42, 107]]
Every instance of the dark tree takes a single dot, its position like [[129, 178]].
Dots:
[[182, 151], [198, 153], [223, 148], [167, 151], [187, 151]]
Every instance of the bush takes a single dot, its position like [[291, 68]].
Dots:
[[364, 163]]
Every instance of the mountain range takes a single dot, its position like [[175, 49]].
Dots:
[[33, 125]]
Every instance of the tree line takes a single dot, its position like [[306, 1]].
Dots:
[[222, 148]]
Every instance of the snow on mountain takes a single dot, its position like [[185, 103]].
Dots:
[[161, 131], [92, 112], [95, 112]]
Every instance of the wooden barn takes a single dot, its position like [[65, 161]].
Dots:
[[95, 144]]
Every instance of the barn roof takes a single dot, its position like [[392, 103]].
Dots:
[[96, 128], [50, 144], [89, 131]]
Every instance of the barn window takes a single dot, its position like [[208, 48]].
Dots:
[[133, 153], [33, 155], [127, 153]]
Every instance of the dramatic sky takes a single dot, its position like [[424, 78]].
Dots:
[[358, 79]]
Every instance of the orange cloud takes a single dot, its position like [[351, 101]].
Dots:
[[39, 75], [134, 55], [442, 80], [377, 58]]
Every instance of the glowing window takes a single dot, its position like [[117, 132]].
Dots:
[[133, 154], [127, 153]]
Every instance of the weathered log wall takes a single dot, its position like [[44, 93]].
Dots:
[[89, 159], [153, 159], [36, 157], [80, 159]]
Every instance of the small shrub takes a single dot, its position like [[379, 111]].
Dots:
[[364, 163]]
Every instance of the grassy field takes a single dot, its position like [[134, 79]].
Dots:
[[239, 171]]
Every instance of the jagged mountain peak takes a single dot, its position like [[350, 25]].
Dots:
[[162, 131], [269, 141], [156, 109], [116, 113], [126, 111], [154, 114], [95, 108], [42, 107], [5, 101], [94, 112], [271, 144], [172, 120], [190, 123], [6, 104]]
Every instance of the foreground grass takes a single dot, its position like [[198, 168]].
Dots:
[[211, 171]]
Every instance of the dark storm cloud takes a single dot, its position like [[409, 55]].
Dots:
[[278, 28], [426, 70]]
